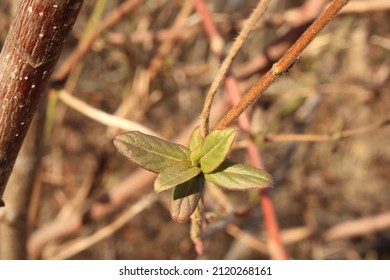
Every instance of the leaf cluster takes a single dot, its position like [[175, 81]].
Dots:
[[185, 169]]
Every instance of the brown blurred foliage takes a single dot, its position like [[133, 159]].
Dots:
[[340, 82]]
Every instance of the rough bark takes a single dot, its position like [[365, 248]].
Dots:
[[30, 52], [14, 230]]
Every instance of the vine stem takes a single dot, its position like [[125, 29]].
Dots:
[[275, 245], [216, 46], [217, 43], [196, 227], [284, 63]]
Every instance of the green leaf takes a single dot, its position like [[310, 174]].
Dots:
[[195, 139], [150, 152], [239, 177], [214, 149], [185, 198], [175, 175]]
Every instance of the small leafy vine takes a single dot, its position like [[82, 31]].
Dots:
[[185, 169]]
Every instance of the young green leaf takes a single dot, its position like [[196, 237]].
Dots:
[[214, 149], [239, 177], [195, 139], [150, 152], [175, 175], [185, 198]]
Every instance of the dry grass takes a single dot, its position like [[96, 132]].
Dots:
[[340, 82]]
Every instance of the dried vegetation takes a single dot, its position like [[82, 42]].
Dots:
[[322, 129]]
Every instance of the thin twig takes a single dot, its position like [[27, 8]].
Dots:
[[366, 6], [108, 230], [283, 64], [358, 227], [327, 137], [349, 229], [196, 227], [275, 246], [248, 239], [298, 19], [238, 43], [100, 116]]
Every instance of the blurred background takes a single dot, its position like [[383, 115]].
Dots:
[[321, 129]]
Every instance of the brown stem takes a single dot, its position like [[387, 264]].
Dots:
[[275, 245], [14, 226], [231, 85], [238, 43], [30, 52], [283, 64], [299, 19]]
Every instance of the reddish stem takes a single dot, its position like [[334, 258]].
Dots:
[[275, 245]]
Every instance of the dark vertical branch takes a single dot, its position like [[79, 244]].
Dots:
[[14, 229], [30, 52]]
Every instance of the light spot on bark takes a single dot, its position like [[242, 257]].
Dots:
[[14, 73], [30, 10], [41, 14], [76, 6], [32, 86]]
